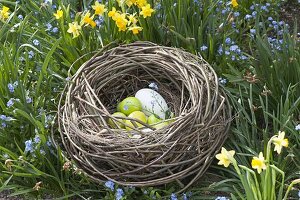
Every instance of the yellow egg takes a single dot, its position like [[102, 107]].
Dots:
[[129, 105], [136, 115], [161, 125], [152, 119], [111, 121]]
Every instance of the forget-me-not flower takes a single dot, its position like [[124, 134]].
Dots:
[[110, 185], [119, 194]]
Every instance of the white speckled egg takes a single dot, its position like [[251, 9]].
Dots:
[[152, 102]]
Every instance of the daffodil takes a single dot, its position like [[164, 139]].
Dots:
[[132, 19], [146, 11], [59, 13], [279, 142], [4, 14], [135, 29], [129, 3], [74, 29], [99, 8], [121, 21], [259, 163], [88, 19], [112, 13], [224, 157], [141, 3], [234, 3]]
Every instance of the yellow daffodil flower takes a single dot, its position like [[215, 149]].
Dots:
[[88, 19], [279, 142], [141, 3], [132, 19], [112, 13], [59, 13], [99, 8], [129, 3], [121, 21], [135, 29], [74, 28], [234, 3], [146, 11], [224, 157], [4, 14], [259, 163]]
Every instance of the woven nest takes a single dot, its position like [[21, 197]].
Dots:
[[180, 152]]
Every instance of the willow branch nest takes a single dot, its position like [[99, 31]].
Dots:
[[180, 152]]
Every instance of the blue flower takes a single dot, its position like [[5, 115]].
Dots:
[[220, 50], [243, 57], [29, 146], [20, 17], [297, 128], [3, 117], [252, 7], [228, 41], [253, 31], [184, 196], [247, 17], [42, 151], [268, 4], [36, 42], [153, 86], [274, 22], [236, 14], [264, 8], [37, 139], [55, 30], [30, 54], [28, 100], [49, 26], [254, 13], [11, 88], [233, 47], [203, 48], [119, 194], [281, 23], [221, 198], [110, 185], [224, 11], [173, 196], [49, 143], [270, 18], [3, 124], [222, 81], [10, 103], [158, 6]]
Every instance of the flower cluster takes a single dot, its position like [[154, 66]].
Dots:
[[129, 21], [123, 20], [259, 163], [111, 186], [185, 196], [32, 145], [4, 13], [3, 120], [232, 50]]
